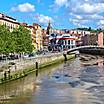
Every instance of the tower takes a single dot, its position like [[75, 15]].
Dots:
[[49, 28]]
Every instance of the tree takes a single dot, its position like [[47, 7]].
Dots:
[[18, 41], [22, 40], [4, 39], [89, 29]]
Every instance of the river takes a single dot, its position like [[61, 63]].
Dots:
[[73, 82]]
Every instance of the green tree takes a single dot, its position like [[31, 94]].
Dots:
[[18, 41], [4, 39], [22, 40]]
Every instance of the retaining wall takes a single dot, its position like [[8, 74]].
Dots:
[[23, 67]]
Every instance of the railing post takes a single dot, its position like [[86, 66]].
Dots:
[[36, 69], [36, 65], [9, 73], [5, 75], [65, 57]]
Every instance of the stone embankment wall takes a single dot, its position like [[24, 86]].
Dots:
[[16, 69]]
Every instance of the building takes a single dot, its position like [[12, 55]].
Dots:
[[100, 39], [62, 41], [36, 30], [49, 28], [37, 36], [10, 22], [45, 39], [93, 38], [90, 39], [81, 36], [58, 31], [66, 41]]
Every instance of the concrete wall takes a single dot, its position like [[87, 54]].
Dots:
[[24, 67]]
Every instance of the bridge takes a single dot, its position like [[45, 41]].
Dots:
[[88, 49]]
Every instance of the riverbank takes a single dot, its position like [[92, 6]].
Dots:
[[32, 65]]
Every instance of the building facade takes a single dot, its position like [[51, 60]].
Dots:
[[90, 39], [10, 22], [37, 37], [100, 39], [62, 41], [35, 29], [45, 39]]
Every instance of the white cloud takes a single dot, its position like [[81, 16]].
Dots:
[[43, 19], [101, 22], [88, 17], [82, 12], [85, 20], [78, 23], [61, 2], [96, 17], [87, 8], [79, 17], [86, 12], [26, 7]]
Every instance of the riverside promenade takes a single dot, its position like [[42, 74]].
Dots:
[[14, 69]]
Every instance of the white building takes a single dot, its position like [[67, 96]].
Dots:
[[63, 41], [10, 22]]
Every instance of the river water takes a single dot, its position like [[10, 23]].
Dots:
[[73, 82]]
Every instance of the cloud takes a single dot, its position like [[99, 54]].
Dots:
[[26, 7], [86, 20], [57, 4], [61, 2], [79, 23], [87, 8], [43, 19], [82, 11], [100, 24], [81, 6], [85, 12], [88, 17]]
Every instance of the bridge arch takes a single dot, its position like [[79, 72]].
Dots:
[[90, 48]]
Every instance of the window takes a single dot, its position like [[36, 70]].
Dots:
[[68, 41], [71, 41], [65, 42]]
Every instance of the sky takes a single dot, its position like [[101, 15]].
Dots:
[[63, 14]]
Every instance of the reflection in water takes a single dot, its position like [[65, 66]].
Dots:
[[100, 62], [69, 83], [19, 91]]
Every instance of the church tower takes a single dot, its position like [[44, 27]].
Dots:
[[49, 28]]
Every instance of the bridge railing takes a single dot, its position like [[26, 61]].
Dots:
[[82, 47]]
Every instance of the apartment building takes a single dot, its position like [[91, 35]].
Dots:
[[37, 36], [10, 22]]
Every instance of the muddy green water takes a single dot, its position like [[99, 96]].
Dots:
[[72, 82]]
